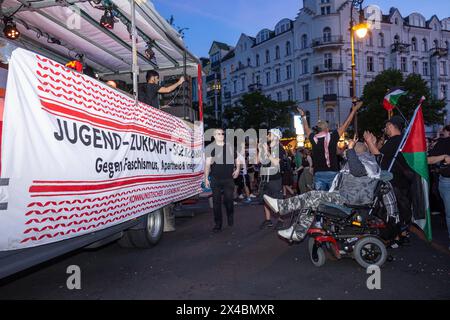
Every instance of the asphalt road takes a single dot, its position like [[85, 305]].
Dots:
[[241, 263]]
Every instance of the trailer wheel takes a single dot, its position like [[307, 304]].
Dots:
[[147, 237]]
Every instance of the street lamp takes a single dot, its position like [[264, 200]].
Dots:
[[361, 30]]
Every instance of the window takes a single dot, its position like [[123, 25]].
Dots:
[[324, 1], [325, 10], [234, 86], [232, 68], [249, 62], [370, 39], [279, 97], [424, 45], [224, 73], [267, 56], [370, 64], [268, 78], [290, 94], [330, 115], [304, 41], [327, 34], [414, 44], [381, 40], [443, 68], [415, 67], [329, 87], [242, 84], [396, 21], [288, 48], [304, 66], [404, 64], [305, 91], [277, 53], [258, 79], [382, 64], [443, 93], [278, 75], [257, 60], [397, 39], [328, 60], [425, 68], [436, 43], [288, 72]]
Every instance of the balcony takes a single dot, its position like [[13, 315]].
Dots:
[[254, 87], [439, 52], [400, 47], [227, 95], [329, 98], [327, 69], [327, 42], [215, 65]]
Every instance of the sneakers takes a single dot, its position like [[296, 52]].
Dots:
[[272, 203], [247, 201], [241, 197], [289, 234], [253, 196], [266, 224]]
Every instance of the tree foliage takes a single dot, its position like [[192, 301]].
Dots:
[[372, 116]]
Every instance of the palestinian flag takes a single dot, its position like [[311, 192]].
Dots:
[[414, 151], [391, 100]]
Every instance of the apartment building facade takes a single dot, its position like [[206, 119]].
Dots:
[[309, 60]]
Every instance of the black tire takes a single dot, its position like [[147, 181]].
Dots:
[[318, 258], [149, 236], [370, 251]]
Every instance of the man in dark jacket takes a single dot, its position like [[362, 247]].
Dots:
[[403, 175]]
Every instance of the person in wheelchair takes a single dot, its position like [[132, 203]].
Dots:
[[355, 185]]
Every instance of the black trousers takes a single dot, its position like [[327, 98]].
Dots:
[[227, 186], [404, 206]]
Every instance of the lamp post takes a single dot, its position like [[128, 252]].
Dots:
[[361, 29]]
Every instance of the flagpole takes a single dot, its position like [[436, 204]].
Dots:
[[405, 136], [402, 115]]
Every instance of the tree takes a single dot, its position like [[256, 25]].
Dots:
[[257, 111], [372, 116]]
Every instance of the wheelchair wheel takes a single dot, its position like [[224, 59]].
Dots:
[[316, 253], [370, 251]]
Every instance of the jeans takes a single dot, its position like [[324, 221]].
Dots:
[[323, 180], [444, 190]]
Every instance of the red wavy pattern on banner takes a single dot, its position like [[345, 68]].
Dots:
[[77, 201], [100, 204], [87, 228], [127, 104], [155, 203]]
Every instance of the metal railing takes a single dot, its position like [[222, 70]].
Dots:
[[327, 40]]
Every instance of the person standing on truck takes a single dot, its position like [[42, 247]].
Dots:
[[220, 165], [148, 93]]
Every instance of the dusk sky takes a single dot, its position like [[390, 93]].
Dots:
[[225, 20]]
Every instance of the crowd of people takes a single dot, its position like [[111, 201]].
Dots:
[[326, 173]]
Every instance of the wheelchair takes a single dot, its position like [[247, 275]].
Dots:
[[354, 231]]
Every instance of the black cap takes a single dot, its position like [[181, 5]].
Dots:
[[397, 121]]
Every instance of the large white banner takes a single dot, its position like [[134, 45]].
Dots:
[[78, 156]]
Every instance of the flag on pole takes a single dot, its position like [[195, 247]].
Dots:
[[391, 100], [414, 151]]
